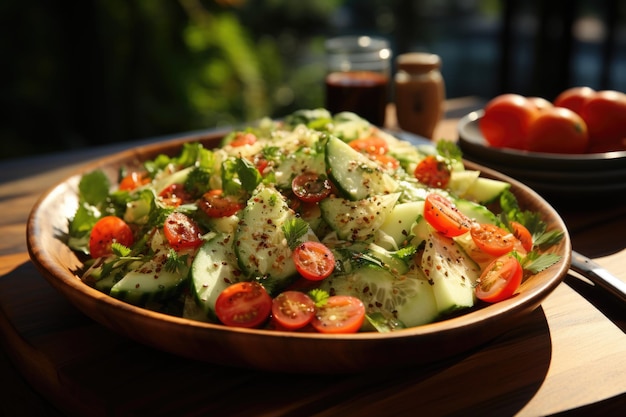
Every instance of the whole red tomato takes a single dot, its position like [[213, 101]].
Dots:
[[605, 115], [507, 120], [541, 103], [574, 98], [558, 130]]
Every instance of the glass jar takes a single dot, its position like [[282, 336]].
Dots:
[[357, 80], [419, 93]]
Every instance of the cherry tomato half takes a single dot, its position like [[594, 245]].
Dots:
[[133, 180], [243, 138], [181, 231], [174, 195], [506, 121], [441, 214], [105, 232], [500, 279], [215, 204], [372, 145], [292, 310], [243, 304], [310, 187], [340, 314], [261, 164], [314, 260], [432, 172], [523, 235], [492, 239], [386, 161]]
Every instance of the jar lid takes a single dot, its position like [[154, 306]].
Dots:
[[418, 62]]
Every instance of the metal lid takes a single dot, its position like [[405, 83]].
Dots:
[[418, 62]]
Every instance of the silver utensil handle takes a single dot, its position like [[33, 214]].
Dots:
[[598, 275]]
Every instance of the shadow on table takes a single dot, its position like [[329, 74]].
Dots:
[[613, 406], [608, 304], [109, 374]]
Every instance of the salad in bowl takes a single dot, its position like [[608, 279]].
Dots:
[[314, 223]]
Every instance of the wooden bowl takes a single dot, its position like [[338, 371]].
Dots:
[[265, 349]]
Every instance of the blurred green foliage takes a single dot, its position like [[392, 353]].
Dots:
[[80, 73], [77, 73]]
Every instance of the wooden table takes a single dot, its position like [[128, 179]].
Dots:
[[568, 355]]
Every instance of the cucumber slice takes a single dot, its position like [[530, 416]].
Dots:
[[226, 224], [150, 283], [304, 160], [105, 284], [177, 177], [355, 174], [466, 242], [475, 211], [461, 181], [408, 298], [390, 260], [151, 280], [485, 190], [452, 273], [399, 223], [349, 126], [213, 269], [260, 243], [357, 220]]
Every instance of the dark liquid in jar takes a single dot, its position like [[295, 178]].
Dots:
[[361, 92]]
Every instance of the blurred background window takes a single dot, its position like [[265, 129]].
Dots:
[[77, 73]]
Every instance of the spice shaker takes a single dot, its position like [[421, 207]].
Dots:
[[419, 92]]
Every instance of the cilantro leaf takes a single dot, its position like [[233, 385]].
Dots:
[[85, 217], [449, 150], [319, 296], [531, 220], [248, 174], [175, 262], [535, 262], [294, 229], [93, 188], [406, 253], [549, 239], [238, 174], [192, 154], [120, 250], [197, 182]]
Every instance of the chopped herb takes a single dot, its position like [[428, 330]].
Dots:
[[94, 188], [197, 182], [294, 229], [120, 250], [319, 297], [175, 262], [239, 174], [535, 262], [449, 150]]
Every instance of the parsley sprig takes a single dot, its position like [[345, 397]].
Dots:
[[294, 229], [175, 262], [535, 261]]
